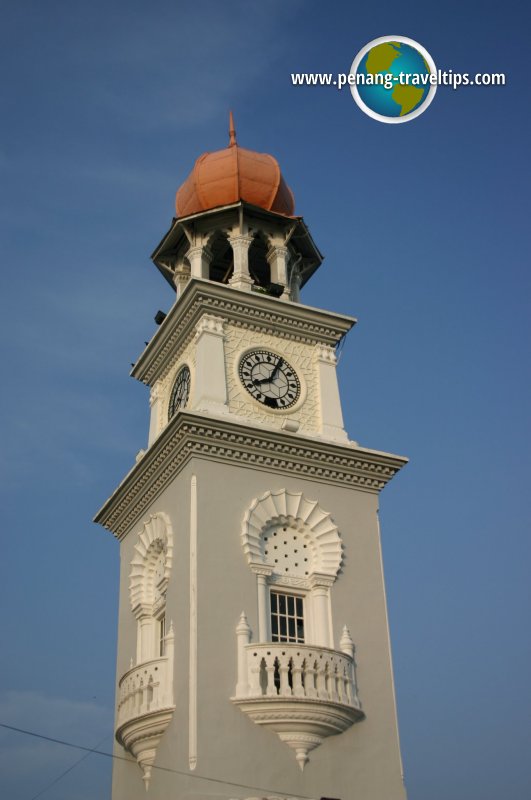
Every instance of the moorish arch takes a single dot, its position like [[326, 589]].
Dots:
[[151, 564], [293, 511]]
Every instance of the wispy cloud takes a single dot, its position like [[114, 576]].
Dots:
[[224, 56]]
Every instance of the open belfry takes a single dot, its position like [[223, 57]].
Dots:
[[253, 646]]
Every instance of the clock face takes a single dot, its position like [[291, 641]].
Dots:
[[180, 391], [270, 379]]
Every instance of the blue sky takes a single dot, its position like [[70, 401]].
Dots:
[[425, 229]]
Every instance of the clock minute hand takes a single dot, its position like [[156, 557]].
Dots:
[[270, 377], [276, 370]]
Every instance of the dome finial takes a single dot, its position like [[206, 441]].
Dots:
[[232, 131]]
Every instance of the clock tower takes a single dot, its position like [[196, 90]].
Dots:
[[253, 648]]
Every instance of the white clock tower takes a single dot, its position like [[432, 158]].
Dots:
[[253, 649]]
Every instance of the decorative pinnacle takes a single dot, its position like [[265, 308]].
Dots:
[[232, 131], [243, 626], [302, 757], [147, 774], [346, 644]]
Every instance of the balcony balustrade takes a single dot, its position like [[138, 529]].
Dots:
[[144, 689], [301, 692], [145, 707]]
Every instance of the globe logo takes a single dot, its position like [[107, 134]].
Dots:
[[393, 79]]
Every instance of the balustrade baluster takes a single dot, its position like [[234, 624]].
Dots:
[[285, 688], [322, 692], [332, 683], [255, 690], [135, 699], [297, 673], [143, 704], [310, 677], [347, 688], [353, 683], [340, 686], [270, 670]]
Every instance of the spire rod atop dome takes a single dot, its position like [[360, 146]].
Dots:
[[232, 131]]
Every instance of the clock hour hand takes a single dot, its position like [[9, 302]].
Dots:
[[271, 377]]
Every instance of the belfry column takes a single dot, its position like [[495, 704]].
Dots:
[[181, 278], [277, 258], [241, 279], [295, 280], [199, 257]]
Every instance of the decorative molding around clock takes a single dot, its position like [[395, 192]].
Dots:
[[299, 355], [190, 434]]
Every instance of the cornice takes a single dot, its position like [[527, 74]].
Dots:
[[251, 310], [194, 435]]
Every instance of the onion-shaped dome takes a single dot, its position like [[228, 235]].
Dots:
[[233, 174]]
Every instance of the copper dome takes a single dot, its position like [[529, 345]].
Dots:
[[233, 174]]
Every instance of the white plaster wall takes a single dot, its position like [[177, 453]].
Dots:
[[364, 761]]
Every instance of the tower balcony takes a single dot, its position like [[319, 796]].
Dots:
[[145, 708], [300, 692]]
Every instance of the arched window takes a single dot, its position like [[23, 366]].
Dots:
[[259, 268], [222, 261], [150, 572], [294, 548]]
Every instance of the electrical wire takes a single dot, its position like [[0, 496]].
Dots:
[[73, 766], [90, 750]]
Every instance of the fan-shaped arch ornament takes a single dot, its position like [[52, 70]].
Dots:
[[151, 562], [293, 509]]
